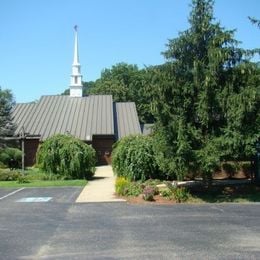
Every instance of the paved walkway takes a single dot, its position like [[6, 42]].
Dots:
[[101, 188]]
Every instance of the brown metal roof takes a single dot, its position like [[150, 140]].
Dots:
[[126, 119], [81, 117]]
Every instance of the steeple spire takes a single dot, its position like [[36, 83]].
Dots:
[[76, 77], [76, 52]]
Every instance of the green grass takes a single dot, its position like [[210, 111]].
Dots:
[[34, 177], [40, 183]]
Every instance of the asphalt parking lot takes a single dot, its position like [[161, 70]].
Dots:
[[61, 229]]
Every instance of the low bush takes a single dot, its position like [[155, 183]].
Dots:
[[11, 157], [7, 175], [246, 167], [181, 194], [173, 192], [230, 168], [67, 156], [134, 189], [23, 179], [125, 187], [133, 157], [121, 186], [167, 193], [233, 167], [2, 165]]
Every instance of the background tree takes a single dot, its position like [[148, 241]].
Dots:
[[119, 81], [6, 105], [254, 21], [126, 83], [87, 86]]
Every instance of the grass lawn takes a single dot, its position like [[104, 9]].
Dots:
[[34, 177], [40, 183]]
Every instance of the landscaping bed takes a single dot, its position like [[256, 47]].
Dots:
[[164, 194]]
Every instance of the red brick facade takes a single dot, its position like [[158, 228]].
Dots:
[[30, 149], [102, 145]]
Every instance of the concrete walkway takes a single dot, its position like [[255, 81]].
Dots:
[[101, 188]]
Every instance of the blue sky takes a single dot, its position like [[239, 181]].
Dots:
[[36, 37]]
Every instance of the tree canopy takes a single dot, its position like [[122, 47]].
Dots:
[[126, 83]]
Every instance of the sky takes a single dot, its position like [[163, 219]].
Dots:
[[37, 37]]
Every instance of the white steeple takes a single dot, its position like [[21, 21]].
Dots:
[[76, 77]]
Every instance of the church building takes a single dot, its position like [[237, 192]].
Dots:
[[95, 119]]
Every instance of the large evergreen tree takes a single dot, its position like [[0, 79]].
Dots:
[[6, 105], [204, 96]]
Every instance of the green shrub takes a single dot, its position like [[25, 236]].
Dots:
[[23, 179], [246, 167], [134, 189], [181, 194], [125, 187], [7, 175], [121, 186], [133, 157], [229, 168], [166, 193], [34, 173], [11, 157], [2, 165], [67, 156]]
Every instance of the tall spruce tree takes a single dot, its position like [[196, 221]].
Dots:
[[6, 105], [198, 95]]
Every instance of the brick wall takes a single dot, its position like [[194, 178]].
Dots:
[[30, 149], [103, 147]]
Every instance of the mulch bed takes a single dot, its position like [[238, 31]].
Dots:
[[159, 200]]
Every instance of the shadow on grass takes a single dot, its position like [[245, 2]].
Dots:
[[238, 193]]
